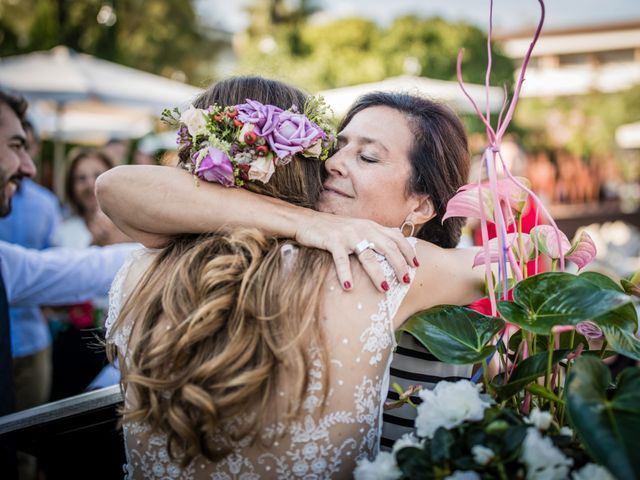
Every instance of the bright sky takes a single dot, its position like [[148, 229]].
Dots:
[[508, 14]]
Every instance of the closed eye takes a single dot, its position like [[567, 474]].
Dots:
[[368, 159]]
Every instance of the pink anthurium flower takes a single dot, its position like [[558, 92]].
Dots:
[[527, 254], [582, 251], [544, 237], [465, 203]]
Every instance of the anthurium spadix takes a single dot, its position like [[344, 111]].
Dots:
[[545, 239], [466, 202], [526, 251]]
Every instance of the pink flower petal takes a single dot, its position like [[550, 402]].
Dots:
[[512, 239], [546, 239], [582, 251], [465, 203]]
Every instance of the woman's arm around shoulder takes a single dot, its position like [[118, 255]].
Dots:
[[151, 203], [445, 276]]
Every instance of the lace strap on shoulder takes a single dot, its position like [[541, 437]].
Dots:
[[115, 293]]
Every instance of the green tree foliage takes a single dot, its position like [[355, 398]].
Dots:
[[161, 37], [349, 51]]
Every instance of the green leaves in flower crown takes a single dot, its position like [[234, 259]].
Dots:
[[607, 419], [454, 334], [543, 301]]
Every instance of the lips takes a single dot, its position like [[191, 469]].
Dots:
[[337, 191]]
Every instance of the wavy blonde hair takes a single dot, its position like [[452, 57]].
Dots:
[[222, 319]]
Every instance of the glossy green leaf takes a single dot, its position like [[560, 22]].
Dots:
[[454, 334], [624, 317], [525, 373], [556, 298], [606, 420], [622, 341], [543, 392]]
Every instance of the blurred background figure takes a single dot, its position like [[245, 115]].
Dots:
[[77, 352], [86, 225], [117, 150]]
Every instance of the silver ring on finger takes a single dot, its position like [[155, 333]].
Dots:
[[362, 246]]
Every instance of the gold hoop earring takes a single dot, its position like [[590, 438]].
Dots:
[[410, 224]]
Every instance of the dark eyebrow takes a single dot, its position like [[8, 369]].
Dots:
[[366, 140]]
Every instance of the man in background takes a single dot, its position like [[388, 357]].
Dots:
[[30, 277]]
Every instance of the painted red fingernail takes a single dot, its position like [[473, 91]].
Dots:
[[347, 285], [416, 262], [385, 286], [406, 278]]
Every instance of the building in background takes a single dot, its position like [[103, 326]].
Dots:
[[575, 61]]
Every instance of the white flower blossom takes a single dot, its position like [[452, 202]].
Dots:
[[591, 471], [463, 475], [194, 120], [449, 405], [482, 455], [382, 468], [539, 419], [261, 169], [543, 460], [407, 440], [566, 431]]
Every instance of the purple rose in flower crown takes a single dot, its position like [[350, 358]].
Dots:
[[214, 166], [294, 134], [264, 117]]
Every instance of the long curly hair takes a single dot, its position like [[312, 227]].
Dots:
[[225, 322]]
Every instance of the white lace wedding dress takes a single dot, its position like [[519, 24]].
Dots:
[[321, 445]]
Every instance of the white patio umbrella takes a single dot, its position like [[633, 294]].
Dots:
[[72, 81], [448, 92], [628, 136]]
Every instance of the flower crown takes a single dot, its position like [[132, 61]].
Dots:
[[246, 142]]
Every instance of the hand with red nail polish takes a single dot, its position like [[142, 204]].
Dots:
[[385, 286]]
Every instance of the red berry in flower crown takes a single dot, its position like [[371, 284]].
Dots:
[[243, 169], [250, 138], [237, 123], [262, 150], [232, 113], [218, 117]]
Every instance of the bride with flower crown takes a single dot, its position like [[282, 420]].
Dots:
[[247, 356]]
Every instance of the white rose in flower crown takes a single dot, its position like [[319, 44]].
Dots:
[[382, 468], [539, 419], [544, 461], [449, 405], [261, 169], [195, 121]]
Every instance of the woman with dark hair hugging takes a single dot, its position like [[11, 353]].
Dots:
[[244, 354]]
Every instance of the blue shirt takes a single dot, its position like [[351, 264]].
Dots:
[[34, 219], [59, 276]]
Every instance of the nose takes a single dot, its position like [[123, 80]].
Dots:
[[27, 167], [336, 164]]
